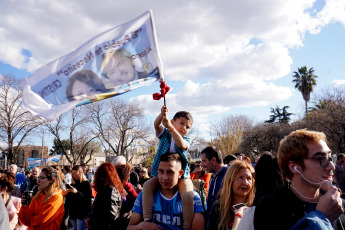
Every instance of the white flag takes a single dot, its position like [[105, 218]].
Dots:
[[116, 61]]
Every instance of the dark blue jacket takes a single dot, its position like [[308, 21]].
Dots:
[[215, 186], [314, 220]]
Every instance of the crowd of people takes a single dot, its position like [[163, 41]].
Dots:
[[299, 187]]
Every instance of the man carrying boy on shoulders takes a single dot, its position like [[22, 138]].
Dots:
[[173, 138], [167, 204]]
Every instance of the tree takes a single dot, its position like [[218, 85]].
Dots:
[[305, 80], [228, 132], [120, 125], [319, 104], [80, 135], [329, 118], [16, 122], [149, 155], [87, 149], [279, 115], [266, 137], [59, 146]]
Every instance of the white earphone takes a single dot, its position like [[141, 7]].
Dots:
[[328, 182], [295, 168]]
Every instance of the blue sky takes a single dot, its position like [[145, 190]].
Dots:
[[220, 57]]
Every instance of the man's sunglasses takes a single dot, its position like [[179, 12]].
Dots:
[[324, 160]]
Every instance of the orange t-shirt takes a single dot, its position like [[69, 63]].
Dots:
[[40, 216], [206, 178]]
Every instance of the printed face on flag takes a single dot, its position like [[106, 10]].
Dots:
[[119, 67], [82, 84], [116, 61]]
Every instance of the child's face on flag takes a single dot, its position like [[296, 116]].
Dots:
[[182, 125], [120, 70]]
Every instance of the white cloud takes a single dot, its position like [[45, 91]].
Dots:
[[204, 43], [333, 11], [338, 83], [193, 35]]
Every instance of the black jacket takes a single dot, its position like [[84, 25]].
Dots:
[[105, 213], [29, 184], [214, 217], [282, 210], [78, 204]]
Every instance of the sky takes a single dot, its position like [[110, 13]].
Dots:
[[220, 58]]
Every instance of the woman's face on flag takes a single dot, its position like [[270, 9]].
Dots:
[[80, 88], [120, 70]]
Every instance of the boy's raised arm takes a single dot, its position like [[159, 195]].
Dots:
[[180, 142], [158, 122]]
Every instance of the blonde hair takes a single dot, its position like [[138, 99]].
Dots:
[[146, 173], [79, 169], [108, 56], [53, 188], [62, 175], [226, 194]]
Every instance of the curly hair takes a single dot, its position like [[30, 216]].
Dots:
[[7, 179], [227, 195], [53, 188], [106, 176], [124, 171]]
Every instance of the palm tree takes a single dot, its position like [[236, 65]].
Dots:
[[320, 104], [304, 82]]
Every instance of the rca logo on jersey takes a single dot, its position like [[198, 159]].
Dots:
[[179, 206]]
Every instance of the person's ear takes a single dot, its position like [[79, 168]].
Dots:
[[213, 159], [180, 173], [172, 121], [294, 168]]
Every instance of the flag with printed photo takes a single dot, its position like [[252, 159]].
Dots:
[[114, 62], [33, 162]]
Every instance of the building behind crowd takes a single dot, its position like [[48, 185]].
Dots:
[[96, 160], [134, 155], [24, 152]]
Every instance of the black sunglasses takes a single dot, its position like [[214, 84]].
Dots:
[[324, 160]]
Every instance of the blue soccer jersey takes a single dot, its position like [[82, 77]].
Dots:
[[167, 213]]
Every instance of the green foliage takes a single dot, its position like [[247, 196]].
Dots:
[[305, 80], [59, 147], [149, 156], [279, 115]]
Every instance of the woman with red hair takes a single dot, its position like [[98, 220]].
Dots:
[[105, 213], [12, 204]]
